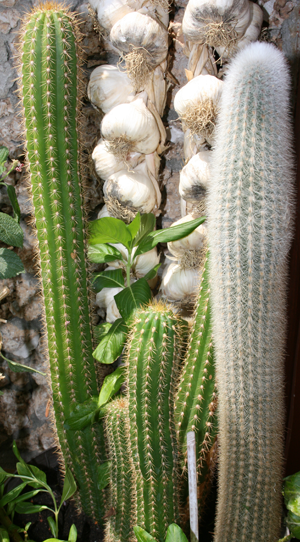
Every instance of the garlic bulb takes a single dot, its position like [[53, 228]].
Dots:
[[197, 104], [251, 34], [106, 163], [130, 127], [109, 87], [192, 144], [194, 177], [130, 189], [141, 265], [105, 300], [216, 22], [109, 12], [180, 284], [103, 213], [196, 241], [143, 43]]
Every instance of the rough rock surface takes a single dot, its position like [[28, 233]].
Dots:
[[25, 401]]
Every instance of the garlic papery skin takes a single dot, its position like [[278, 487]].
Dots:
[[106, 163], [192, 144], [109, 12], [105, 300], [197, 104], [142, 42], [194, 177], [251, 34], [108, 87], [130, 128], [129, 189], [196, 241], [180, 284], [216, 22], [141, 265], [103, 213]]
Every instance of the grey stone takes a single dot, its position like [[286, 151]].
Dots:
[[18, 338], [39, 401], [13, 411]]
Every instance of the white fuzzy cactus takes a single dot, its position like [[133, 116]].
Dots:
[[250, 210]]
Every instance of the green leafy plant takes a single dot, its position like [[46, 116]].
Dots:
[[174, 534], [291, 493], [16, 501], [11, 232]]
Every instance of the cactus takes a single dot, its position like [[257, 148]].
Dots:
[[154, 352], [119, 526], [250, 210], [50, 96], [195, 400]]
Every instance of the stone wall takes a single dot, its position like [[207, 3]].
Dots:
[[23, 407]]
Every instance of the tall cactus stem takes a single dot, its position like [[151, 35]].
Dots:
[[154, 351], [250, 212], [122, 499], [50, 76]]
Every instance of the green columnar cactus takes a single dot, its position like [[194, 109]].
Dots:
[[195, 400], [154, 352], [49, 87], [119, 526], [250, 212]]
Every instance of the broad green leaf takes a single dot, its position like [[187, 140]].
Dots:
[[103, 253], [19, 367], [10, 264], [142, 535], [52, 525], [100, 331], [147, 225], [169, 234], [108, 279], [293, 523], [4, 536], [12, 494], [111, 346], [38, 476], [111, 385], [175, 534], [4, 152], [132, 297], [72, 534], [26, 496], [3, 475], [134, 226], [82, 415], [11, 232], [291, 493], [152, 273], [109, 230], [69, 487], [13, 200], [28, 508], [103, 475], [53, 540]]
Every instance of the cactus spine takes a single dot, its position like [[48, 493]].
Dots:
[[250, 212], [154, 352], [119, 527], [195, 400], [49, 86]]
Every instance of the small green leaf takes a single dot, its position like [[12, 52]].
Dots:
[[10, 264], [109, 230], [293, 523], [12, 494], [175, 534], [52, 525], [14, 202], [103, 253], [20, 368], [11, 232], [134, 226], [169, 234], [152, 273], [27, 495], [133, 297], [69, 487], [72, 534], [111, 345], [291, 493], [82, 415], [4, 152], [28, 508], [108, 279], [101, 330], [142, 535], [27, 526], [53, 540], [111, 385], [3, 475], [147, 226], [39, 478], [103, 475], [4, 536]]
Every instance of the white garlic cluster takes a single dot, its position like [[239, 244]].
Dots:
[[194, 178]]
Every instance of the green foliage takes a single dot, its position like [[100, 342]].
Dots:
[[291, 493], [111, 345], [174, 534], [10, 264]]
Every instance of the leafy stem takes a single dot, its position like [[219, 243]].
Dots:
[[128, 267]]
